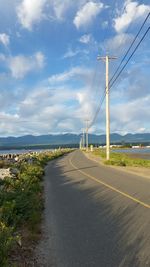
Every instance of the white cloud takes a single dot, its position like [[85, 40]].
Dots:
[[20, 65], [105, 24], [128, 118], [133, 11], [2, 57], [76, 73], [55, 111], [62, 108], [60, 8], [86, 105], [4, 39], [39, 59], [71, 53], [118, 43], [30, 12], [87, 14], [85, 39]]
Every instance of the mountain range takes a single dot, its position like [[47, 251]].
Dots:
[[71, 139]]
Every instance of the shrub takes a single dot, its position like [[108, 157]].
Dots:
[[121, 159], [7, 239], [21, 201]]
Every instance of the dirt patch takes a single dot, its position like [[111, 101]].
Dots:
[[23, 253]]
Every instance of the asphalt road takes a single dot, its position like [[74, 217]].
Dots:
[[95, 216]]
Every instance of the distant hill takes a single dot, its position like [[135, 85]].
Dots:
[[70, 139]]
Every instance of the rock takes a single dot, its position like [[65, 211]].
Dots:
[[14, 171], [4, 173]]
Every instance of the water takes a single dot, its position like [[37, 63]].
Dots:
[[133, 150], [143, 153], [22, 151]]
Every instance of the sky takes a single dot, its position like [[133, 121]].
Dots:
[[50, 78]]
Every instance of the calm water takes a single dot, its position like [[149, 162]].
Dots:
[[22, 151], [143, 153], [133, 150]]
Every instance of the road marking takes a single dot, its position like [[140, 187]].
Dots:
[[110, 187]]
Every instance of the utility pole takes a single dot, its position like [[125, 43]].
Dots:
[[87, 137], [106, 59], [80, 144], [83, 138]]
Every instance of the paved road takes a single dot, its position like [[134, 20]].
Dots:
[[95, 216]]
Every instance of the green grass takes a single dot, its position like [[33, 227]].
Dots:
[[21, 202], [121, 159]]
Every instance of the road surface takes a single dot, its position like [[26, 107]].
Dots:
[[95, 216]]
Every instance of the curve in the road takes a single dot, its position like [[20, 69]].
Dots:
[[110, 187]]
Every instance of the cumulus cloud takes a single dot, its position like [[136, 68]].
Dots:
[[86, 106], [54, 113], [56, 109], [33, 12], [71, 53], [85, 39], [60, 8], [132, 12], [75, 72], [30, 12], [126, 117], [117, 43], [87, 14], [4, 39], [53, 107], [20, 65]]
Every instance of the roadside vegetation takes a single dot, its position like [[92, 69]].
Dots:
[[121, 159], [21, 205]]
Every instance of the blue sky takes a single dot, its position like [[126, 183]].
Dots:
[[50, 79]]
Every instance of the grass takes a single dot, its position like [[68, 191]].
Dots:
[[21, 203], [121, 159]]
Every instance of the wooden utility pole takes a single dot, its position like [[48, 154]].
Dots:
[[87, 138], [80, 144], [106, 59], [83, 139]]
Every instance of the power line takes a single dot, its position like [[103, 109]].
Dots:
[[93, 78], [99, 108], [130, 57], [127, 52]]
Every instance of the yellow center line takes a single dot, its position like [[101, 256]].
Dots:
[[111, 187]]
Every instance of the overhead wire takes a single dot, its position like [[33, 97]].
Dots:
[[129, 57], [93, 78], [131, 45], [103, 95], [111, 85]]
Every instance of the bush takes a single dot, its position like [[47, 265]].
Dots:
[[21, 201], [121, 159], [7, 240]]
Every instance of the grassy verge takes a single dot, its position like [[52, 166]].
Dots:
[[121, 159], [21, 204]]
